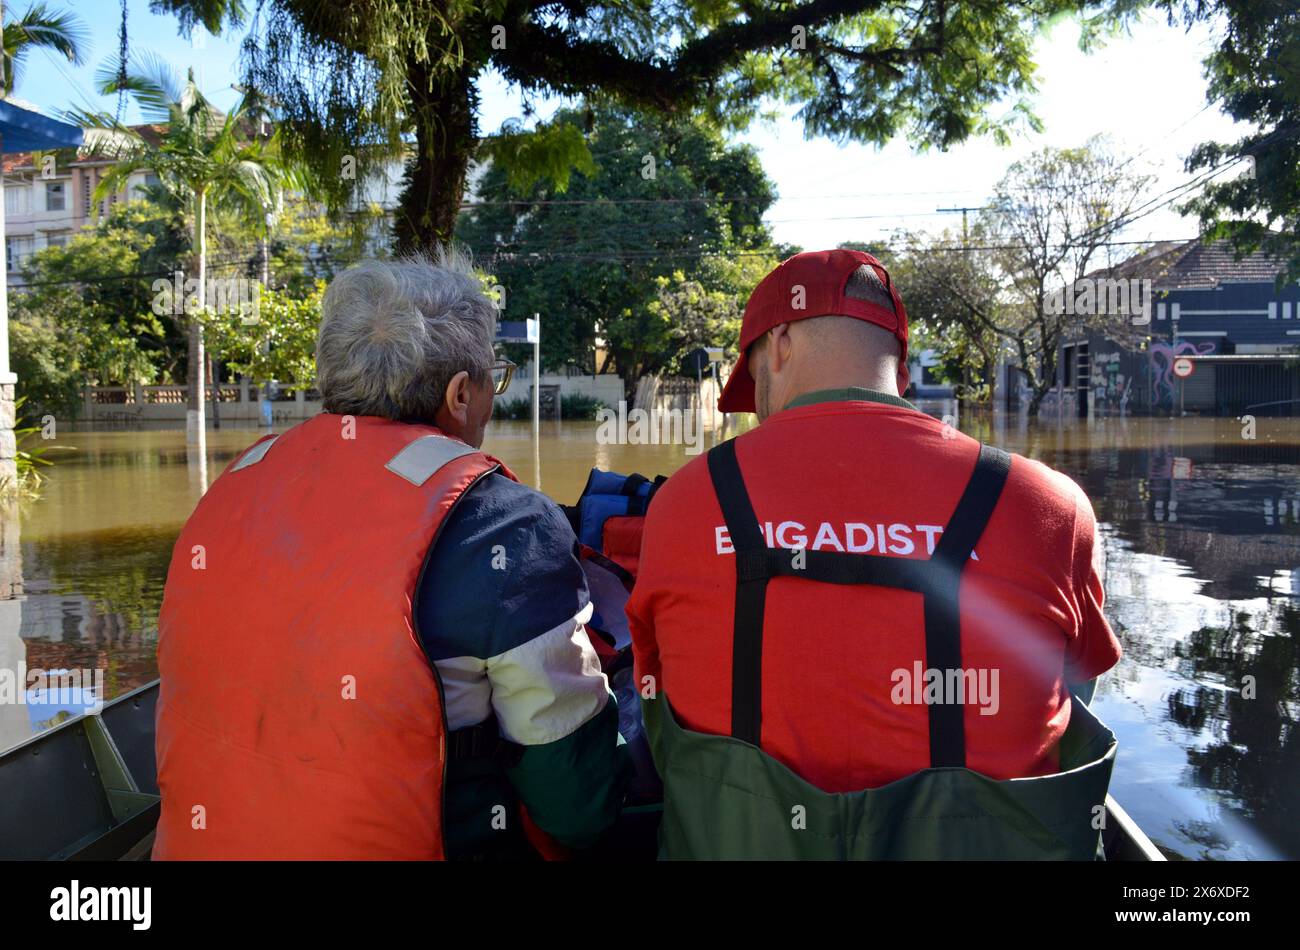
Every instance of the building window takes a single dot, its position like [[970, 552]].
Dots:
[[57, 240], [55, 196], [17, 250], [18, 200], [141, 190]]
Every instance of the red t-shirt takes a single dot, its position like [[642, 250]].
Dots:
[[843, 672]]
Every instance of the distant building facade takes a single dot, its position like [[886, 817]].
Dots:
[[1214, 336], [46, 203]]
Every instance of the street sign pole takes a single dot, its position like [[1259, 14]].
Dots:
[[535, 335]]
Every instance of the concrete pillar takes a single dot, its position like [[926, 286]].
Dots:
[[8, 443]]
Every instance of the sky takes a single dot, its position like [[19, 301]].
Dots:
[[1145, 91]]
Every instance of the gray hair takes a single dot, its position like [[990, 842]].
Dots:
[[394, 333]]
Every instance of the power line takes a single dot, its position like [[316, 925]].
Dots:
[[527, 257]]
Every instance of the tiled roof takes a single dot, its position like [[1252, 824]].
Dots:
[[1171, 265], [1208, 265]]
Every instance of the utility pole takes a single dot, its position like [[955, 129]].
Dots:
[[534, 327], [965, 240], [963, 219]]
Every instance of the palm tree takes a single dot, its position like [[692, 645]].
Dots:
[[200, 154], [63, 33]]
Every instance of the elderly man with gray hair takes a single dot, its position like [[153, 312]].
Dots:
[[372, 637]]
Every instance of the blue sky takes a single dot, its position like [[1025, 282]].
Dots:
[[1146, 91]]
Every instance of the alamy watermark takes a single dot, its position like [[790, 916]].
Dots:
[[177, 295], [64, 688], [1090, 296], [650, 427], [943, 687]]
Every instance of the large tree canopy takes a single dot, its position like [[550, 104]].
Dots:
[[352, 77], [1255, 70], [661, 204]]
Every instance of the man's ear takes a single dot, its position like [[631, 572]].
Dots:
[[904, 377], [777, 349], [455, 401]]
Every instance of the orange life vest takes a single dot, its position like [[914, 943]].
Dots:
[[299, 716]]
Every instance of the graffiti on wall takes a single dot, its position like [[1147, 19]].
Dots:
[[1110, 387], [1162, 366]]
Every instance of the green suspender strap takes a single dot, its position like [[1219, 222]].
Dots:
[[725, 798]]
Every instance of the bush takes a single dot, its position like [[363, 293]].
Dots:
[[579, 406], [514, 409], [29, 459]]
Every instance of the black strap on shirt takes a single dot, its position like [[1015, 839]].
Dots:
[[937, 579]]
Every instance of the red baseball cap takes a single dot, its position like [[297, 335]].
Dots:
[[810, 284]]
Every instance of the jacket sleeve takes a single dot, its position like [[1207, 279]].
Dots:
[[502, 611], [550, 696]]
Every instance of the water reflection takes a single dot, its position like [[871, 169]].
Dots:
[[1201, 531]]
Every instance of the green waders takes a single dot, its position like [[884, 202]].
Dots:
[[725, 798]]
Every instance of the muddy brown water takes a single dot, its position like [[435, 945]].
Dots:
[[1202, 537]]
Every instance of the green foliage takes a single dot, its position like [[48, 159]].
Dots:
[[515, 409], [954, 299], [642, 256], [202, 154], [279, 345], [580, 406], [1054, 215], [1255, 70], [353, 76], [38, 28], [203, 158], [305, 244], [550, 152], [85, 318], [30, 458]]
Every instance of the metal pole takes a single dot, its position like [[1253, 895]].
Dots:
[[713, 405], [537, 400], [8, 381]]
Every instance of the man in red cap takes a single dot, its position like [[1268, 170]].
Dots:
[[854, 627]]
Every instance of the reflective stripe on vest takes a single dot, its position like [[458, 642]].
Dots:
[[418, 461], [937, 580], [255, 454]]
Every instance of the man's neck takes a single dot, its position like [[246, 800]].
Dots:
[[876, 382]]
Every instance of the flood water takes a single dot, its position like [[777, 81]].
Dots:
[[1202, 535]]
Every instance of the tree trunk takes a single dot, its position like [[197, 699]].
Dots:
[[443, 108], [195, 418]]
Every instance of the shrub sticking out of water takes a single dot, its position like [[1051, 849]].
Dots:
[[512, 409], [30, 459], [573, 406], [580, 406]]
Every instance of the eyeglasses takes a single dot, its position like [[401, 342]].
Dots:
[[502, 372]]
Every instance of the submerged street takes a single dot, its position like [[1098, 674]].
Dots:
[[1202, 541]]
